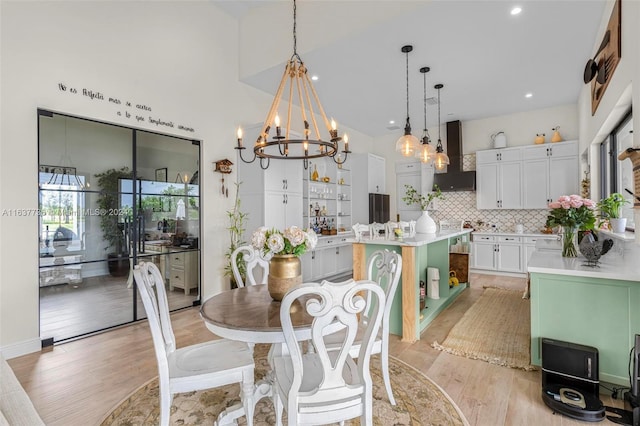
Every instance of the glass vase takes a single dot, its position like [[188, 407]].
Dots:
[[569, 241]]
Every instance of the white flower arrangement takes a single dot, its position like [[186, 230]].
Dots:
[[292, 240]]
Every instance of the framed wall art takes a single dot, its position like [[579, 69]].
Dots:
[[161, 175]]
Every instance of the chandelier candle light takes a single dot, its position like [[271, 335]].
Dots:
[[284, 146]]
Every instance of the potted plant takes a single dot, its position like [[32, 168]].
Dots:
[[611, 208], [425, 224], [111, 224], [237, 222]]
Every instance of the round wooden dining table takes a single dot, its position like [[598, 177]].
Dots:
[[249, 314]]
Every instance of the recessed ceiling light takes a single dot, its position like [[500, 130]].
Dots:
[[314, 77], [392, 122], [528, 95], [516, 10]]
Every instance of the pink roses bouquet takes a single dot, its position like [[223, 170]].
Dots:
[[572, 211]]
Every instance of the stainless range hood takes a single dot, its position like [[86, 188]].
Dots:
[[455, 179]]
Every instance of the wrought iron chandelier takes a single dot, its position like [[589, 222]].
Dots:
[[284, 145], [442, 159], [426, 151]]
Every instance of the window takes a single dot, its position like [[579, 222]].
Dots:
[[616, 175]]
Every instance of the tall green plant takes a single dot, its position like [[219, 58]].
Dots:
[[237, 223], [110, 219]]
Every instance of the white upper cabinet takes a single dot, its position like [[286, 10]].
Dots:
[[526, 177], [550, 170], [499, 179]]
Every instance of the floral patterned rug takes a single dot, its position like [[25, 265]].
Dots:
[[419, 401]]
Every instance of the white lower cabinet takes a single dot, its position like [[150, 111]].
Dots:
[[183, 271], [506, 252], [497, 253], [332, 256]]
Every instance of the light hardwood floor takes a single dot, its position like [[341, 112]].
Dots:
[[79, 382]]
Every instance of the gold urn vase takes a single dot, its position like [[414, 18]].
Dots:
[[285, 271]]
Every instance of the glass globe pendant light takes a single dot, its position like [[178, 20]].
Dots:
[[425, 151], [441, 159], [408, 144]]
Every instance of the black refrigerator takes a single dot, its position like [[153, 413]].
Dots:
[[378, 208]]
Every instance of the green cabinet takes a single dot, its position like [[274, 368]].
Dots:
[[603, 313]]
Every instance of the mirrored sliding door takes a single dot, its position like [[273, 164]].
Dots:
[[107, 202]]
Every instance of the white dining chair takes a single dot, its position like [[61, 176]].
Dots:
[[384, 268], [328, 385], [191, 368], [256, 266]]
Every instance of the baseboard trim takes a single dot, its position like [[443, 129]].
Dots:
[[505, 274], [14, 350]]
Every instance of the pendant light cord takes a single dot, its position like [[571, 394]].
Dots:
[[425, 101], [439, 141], [407, 80]]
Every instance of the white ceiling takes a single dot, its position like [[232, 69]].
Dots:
[[487, 59]]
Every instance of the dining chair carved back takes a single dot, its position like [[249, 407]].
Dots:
[[383, 267], [191, 368], [328, 385], [256, 266]]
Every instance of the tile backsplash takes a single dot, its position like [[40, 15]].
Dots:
[[462, 206]]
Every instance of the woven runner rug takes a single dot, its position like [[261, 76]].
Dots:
[[419, 401], [495, 329]]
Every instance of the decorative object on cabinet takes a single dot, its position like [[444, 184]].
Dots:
[[426, 151], [585, 185], [539, 139], [606, 58], [441, 159], [236, 228], [573, 213], [407, 144], [453, 279], [499, 140], [594, 249], [556, 135], [284, 146], [314, 174]]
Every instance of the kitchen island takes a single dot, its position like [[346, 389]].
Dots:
[[598, 307], [418, 253]]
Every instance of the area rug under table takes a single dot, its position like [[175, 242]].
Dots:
[[419, 401], [495, 329]]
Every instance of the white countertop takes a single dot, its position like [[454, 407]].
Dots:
[[515, 234], [612, 266], [416, 241]]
